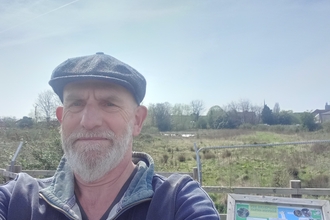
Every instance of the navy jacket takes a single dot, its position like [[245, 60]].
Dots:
[[149, 196]]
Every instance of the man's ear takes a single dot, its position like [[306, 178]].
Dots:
[[59, 114], [140, 115]]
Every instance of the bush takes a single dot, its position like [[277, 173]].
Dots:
[[182, 158], [319, 148], [227, 153], [326, 127], [25, 122], [209, 155], [165, 158], [308, 121], [320, 181], [246, 126]]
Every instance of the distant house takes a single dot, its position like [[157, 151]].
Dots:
[[322, 115]]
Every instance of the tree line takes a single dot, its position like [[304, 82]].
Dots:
[[179, 117]]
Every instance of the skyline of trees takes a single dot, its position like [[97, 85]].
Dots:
[[167, 117]]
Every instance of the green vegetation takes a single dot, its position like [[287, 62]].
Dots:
[[253, 167]]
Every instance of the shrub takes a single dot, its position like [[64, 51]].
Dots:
[[294, 172], [209, 155], [326, 127], [225, 154], [182, 158], [319, 148], [246, 126], [25, 122], [148, 138], [165, 158], [279, 179], [320, 181]]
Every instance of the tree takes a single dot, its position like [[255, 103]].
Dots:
[[202, 123], [257, 109], [181, 117], [267, 115], [212, 116], [232, 106], [162, 113], [229, 119], [308, 121], [276, 109], [197, 107], [46, 104], [244, 105], [25, 122], [285, 118], [8, 122], [151, 120]]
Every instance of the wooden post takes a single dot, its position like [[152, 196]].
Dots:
[[17, 169], [295, 184], [195, 173], [6, 177]]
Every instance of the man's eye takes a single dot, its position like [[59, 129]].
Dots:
[[76, 104], [109, 104]]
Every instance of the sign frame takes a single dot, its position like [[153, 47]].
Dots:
[[234, 199]]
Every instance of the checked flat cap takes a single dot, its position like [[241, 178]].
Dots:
[[98, 67]]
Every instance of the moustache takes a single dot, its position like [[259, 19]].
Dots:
[[82, 133]]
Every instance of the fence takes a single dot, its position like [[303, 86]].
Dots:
[[7, 173], [226, 159], [294, 190], [247, 166]]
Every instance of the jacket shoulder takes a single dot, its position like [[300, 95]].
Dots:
[[177, 196], [21, 191]]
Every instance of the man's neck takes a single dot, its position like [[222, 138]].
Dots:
[[96, 197]]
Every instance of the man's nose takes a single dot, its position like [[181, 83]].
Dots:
[[91, 117]]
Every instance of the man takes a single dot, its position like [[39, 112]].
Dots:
[[99, 177]]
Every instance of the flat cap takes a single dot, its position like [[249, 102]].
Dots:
[[98, 67]]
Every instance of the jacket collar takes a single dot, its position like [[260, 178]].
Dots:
[[61, 190]]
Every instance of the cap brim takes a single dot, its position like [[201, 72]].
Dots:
[[59, 83]]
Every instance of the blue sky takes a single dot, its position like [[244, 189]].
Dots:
[[212, 50]]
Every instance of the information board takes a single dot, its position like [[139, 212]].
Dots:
[[247, 207]]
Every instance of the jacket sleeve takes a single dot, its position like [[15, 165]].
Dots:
[[4, 201], [181, 198], [19, 199]]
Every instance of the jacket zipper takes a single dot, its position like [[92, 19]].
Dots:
[[129, 206], [55, 207], [115, 217]]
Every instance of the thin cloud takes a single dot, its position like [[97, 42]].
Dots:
[[46, 13]]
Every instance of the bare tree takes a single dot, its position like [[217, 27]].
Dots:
[[46, 105], [197, 107], [244, 105], [233, 106], [257, 111], [276, 108]]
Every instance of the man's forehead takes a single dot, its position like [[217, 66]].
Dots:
[[82, 85]]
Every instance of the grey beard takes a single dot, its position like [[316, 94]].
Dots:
[[92, 162]]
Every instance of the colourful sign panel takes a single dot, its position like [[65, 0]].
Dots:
[[259, 211]]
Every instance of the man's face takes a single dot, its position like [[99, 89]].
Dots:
[[98, 121]]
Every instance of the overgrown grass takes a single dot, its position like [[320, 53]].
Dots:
[[258, 167]]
